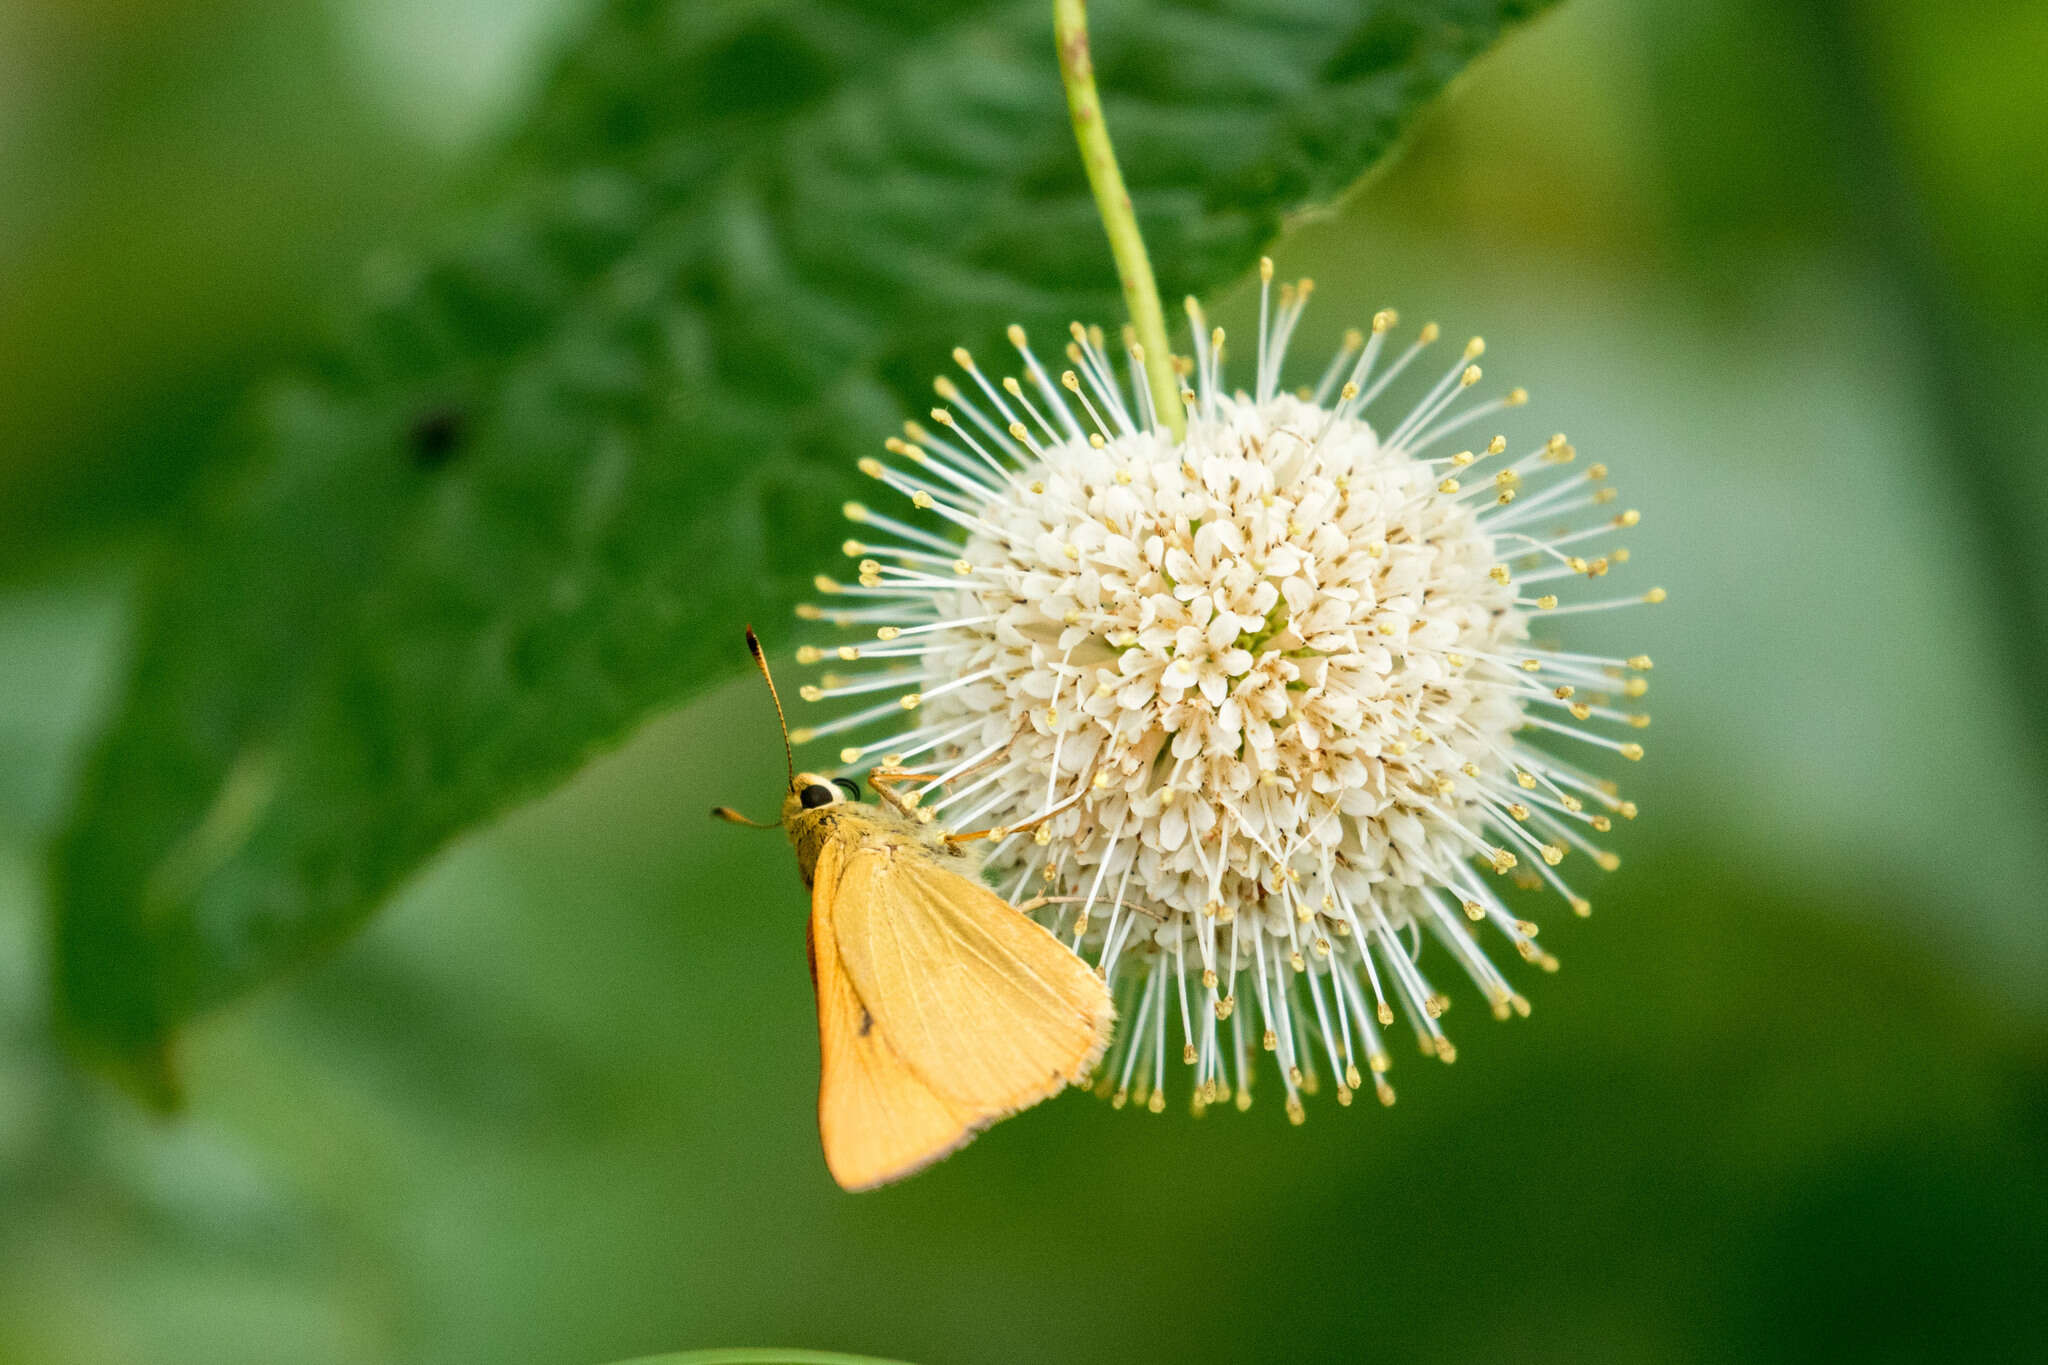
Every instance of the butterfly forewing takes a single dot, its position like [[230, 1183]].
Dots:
[[989, 1009]]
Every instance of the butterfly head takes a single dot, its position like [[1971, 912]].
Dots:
[[809, 793]]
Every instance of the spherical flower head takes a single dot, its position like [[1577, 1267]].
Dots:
[[1245, 710]]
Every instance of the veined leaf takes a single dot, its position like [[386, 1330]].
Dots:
[[554, 461]]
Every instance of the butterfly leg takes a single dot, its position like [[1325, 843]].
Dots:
[[885, 781]]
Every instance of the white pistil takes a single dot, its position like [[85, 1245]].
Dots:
[[997, 432], [927, 737], [965, 481], [881, 682], [861, 515], [1422, 342], [1096, 352], [1327, 385], [1653, 596], [1072, 382], [1039, 377], [987, 779], [995, 397]]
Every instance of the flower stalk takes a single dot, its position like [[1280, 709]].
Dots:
[[1113, 202]]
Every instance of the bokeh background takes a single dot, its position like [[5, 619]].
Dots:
[[1783, 266]]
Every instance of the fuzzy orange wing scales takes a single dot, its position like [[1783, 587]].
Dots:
[[987, 1007], [879, 1122]]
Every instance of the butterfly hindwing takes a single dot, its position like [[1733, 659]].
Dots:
[[879, 1122]]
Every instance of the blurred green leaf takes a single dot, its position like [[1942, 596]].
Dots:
[[766, 1355], [552, 464]]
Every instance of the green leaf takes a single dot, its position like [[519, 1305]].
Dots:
[[758, 1355], [553, 462]]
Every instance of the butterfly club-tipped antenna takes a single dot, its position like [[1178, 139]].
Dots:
[[727, 813], [781, 720]]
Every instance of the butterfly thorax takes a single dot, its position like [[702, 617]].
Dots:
[[811, 830]]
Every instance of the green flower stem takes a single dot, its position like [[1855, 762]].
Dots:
[[1113, 201]]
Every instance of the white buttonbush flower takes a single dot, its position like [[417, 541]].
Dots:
[[1269, 693]]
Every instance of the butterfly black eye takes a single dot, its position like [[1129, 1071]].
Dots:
[[817, 794], [849, 786]]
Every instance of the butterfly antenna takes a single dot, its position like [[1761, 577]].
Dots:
[[761, 662]]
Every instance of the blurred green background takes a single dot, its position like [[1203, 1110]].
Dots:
[[1783, 267]]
